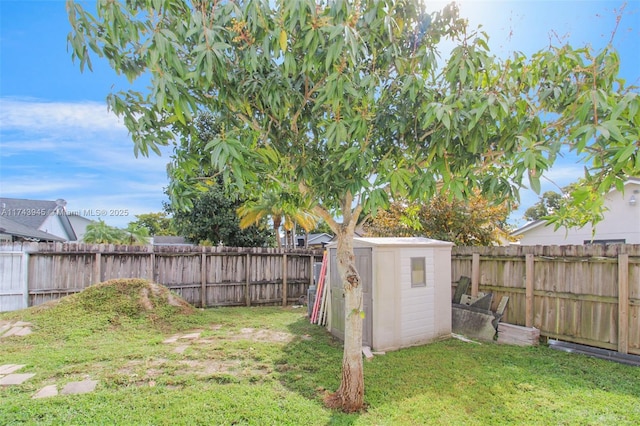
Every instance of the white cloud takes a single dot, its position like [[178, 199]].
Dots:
[[79, 152], [38, 115]]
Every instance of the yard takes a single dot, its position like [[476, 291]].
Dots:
[[161, 364]]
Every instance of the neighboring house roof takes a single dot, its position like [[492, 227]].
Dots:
[[10, 227], [319, 238], [34, 213], [169, 240], [528, 227], [314, 239], [79, 225]]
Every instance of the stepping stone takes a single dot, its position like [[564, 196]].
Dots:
[[180, 349], [22, 324], [74, 388], [15, 379], [171, 339], [191, 336], [25, 331], [10, 368], [17, 331], [4, 327], [46, 392]]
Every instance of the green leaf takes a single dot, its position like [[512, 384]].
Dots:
[[534, 182]]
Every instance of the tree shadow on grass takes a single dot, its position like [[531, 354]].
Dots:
[[311, 365], [456, 382]]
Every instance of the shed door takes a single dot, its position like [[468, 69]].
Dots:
[[363, 264]]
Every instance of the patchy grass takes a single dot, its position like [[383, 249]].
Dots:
[[270, 366]]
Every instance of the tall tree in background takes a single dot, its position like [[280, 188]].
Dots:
[[550, 201], [135, 234], [156, 223], [212, 219], [283, 209], [101, 233], [346, 104], [472, 222], [203, 208]]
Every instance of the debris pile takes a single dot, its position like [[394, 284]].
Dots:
[[473, 317]]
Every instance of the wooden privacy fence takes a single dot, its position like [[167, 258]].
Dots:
[[584, 294], [33, 273]]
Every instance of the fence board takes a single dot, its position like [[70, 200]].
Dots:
[[12, 281], [209, 276]]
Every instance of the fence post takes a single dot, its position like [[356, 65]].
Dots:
[[475, 274], [529, 268], [623, 303], [284, 279], [247, 290], [97, 268], [203, 279], [152, 265], [25, 272]]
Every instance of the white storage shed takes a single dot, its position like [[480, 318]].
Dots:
[[406, 285]]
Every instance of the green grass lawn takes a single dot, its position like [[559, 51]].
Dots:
[[269, 366]]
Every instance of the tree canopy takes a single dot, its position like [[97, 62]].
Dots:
[[347, 105], [212, 220], [472, 222], [550, 201], [101, 233], [157, 223]]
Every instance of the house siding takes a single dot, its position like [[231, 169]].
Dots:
[[621, 222], [52, 225]]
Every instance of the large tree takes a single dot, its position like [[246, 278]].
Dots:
[[550, 201], [156, 223], [472, 222], [283, 209], [212, 219], [347, 104]]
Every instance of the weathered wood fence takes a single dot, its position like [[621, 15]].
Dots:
[[584, 294], [33, 273]]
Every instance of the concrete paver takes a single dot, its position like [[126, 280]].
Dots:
[[171, 339], [10, 368], [74, 388], [15, 379], [190, 336], [17, 328], [180, 349], [24, 331], [4, 326], [46, 392], [15, 331]]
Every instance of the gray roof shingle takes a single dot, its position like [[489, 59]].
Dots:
[[33, 213], [8, 226]]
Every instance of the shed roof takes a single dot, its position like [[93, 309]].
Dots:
[[397, 242]]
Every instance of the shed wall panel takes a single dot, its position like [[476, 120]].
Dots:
[[386, 300]]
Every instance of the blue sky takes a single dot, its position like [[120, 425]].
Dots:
[[58, 140]]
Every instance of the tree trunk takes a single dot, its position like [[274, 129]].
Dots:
[[350, 395], [276, 226]]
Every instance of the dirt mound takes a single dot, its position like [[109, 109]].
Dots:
[[131, 297]]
